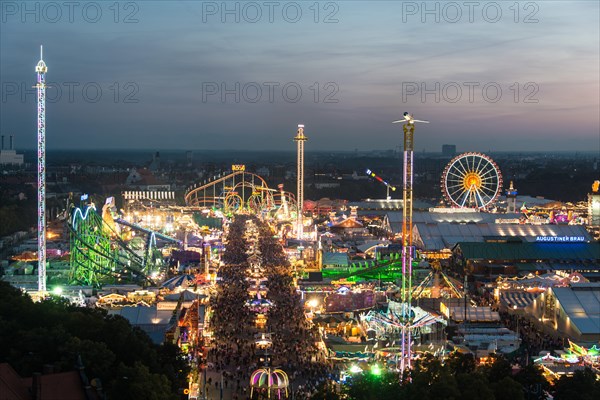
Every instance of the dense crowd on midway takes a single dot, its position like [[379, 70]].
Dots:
[[234, 353]]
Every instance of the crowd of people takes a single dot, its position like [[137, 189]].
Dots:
[[252, 253], [533, 339]]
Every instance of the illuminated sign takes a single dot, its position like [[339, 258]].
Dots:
[[238, 167], [567, 239]]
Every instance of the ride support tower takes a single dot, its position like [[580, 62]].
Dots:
[[407, 247], [41, 70], [300, 139]]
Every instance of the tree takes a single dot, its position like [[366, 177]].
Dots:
[[533, 382], [582, 386], [459, 362], [444, 387], [137, 383], [369, 386], [173, 365], [52, 332], [508, 389], [499, 369], [474, 386]]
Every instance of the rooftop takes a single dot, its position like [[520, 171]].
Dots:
[[438, 236], [581, 303], [530, 251]]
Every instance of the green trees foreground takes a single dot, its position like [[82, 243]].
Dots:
[[123, 358], [460, 378]]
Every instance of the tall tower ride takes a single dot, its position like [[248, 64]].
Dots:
[[300, 139], [407, 315], [407, 246], [41, 70]]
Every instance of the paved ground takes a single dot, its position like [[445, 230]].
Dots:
[[230, 392]]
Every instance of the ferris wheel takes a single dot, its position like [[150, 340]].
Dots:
[[471, 180]]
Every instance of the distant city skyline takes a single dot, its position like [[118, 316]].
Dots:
[[195, 75]]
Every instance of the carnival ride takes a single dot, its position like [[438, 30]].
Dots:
[[383, 270], [380, 179], [266, 380], [41, 86], [471, 180], [300, 138], [406, 316], [239, 191], [388, 325], [431, 286], [234, 192], [100, 254]]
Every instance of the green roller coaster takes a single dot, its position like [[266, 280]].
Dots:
[[385, 270], [99, 255]]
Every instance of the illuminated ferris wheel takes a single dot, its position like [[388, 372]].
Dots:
[[471, 180]]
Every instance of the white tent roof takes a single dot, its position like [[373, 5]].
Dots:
[[581, 303], [479, 314], [519, 298], [140, 315], [437, 236]]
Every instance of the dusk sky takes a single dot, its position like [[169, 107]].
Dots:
[[162, 65]]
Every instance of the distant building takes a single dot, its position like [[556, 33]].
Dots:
[[326, 185], [594, 206], [72, 385], [511, 199], [488, 260], [449, 150], [144, 179], [264, 172], [9, 156], [155, 164]]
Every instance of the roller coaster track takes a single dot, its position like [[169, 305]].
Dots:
[[250, 186], [392, 267], [97, 250], [151, 238]]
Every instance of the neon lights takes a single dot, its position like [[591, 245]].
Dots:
[[82, 216], [561, 239], [582, 351]]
